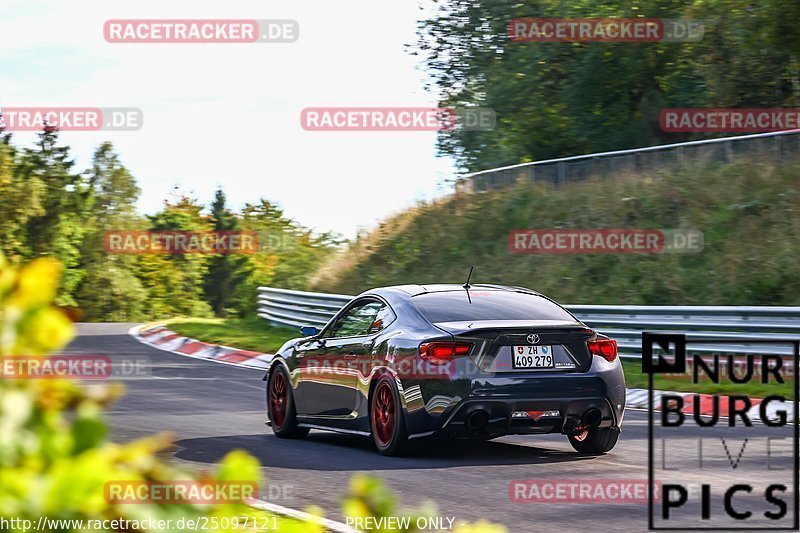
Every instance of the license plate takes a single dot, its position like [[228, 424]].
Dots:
[[532, 357]]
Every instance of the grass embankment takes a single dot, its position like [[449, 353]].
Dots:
[[749, 214], [246, 333]]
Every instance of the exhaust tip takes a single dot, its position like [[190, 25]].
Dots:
[[478, 419], [591, 417]]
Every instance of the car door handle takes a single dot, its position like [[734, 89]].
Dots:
[[350, 356]]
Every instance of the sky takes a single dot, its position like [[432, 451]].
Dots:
[[229, 114]]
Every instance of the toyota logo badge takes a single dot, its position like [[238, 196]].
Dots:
[[533, 338]]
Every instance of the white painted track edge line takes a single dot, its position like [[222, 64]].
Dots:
[[274, 508]]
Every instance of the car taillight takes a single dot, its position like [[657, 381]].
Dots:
[[443, 352], [605, 348]]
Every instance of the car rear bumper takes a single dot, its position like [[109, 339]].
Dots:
[[493, 416], [434, 408]]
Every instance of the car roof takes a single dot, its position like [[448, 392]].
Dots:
[[402, 294], [416, 290]]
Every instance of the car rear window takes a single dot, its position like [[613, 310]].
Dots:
[[454, 306]]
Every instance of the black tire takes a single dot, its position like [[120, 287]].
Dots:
[[281, 411], [386, 419], [597, 441]]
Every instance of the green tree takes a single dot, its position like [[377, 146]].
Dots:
[[20, 200], [59, 226], [110, 290], [559, 99], [289, 254], [225, 271], [49, 209], [175, 282]]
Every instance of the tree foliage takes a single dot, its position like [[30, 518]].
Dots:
[[560, 99], [49, 209]]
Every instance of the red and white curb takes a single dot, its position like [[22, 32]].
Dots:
[[638, 399], [160, 337]]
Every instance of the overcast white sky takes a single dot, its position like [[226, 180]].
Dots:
[[229, 114]]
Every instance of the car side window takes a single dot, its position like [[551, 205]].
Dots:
[[358, 320], [384, 317]]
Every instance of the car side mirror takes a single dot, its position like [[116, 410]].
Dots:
[[309, 331]]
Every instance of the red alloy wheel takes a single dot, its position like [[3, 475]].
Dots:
[[383, 414], [278, 399]]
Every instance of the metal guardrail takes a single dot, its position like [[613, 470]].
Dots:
[[737, 328], [562, 170]]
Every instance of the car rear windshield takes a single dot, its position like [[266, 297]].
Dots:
[[454, 306]]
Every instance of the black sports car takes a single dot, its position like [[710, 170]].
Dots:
[[412, 361]]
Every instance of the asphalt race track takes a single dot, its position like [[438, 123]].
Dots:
[[214, 408]]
